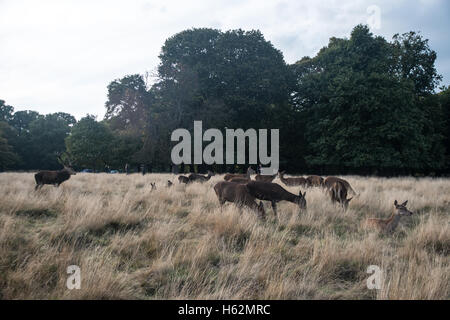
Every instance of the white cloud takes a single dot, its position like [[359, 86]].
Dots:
[[61, 55]]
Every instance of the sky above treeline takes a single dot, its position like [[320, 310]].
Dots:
[[60, 55]]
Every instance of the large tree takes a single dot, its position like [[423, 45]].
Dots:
[[90, 144], [361, 112]]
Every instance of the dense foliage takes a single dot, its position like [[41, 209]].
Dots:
[[361, 105]]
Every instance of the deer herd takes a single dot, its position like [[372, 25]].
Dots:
[[241, 190]]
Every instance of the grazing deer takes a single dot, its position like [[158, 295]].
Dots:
[[230, 176], [300, 181], [169, 183], [240, 180], [53, 177], [194, 177], [275, 193], [183, 179], [329, 181], [338, 193], [238, 194], [314, 181], [153, 186], [265, 178], [389, 225]]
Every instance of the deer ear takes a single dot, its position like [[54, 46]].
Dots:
[[348, 200], [404, 203], [304, 194], [395, 203]]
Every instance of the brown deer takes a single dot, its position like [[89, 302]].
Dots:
[[338, 193], [329, 181], [53, 177], [239, 195], [183, 179], [275, 193], [194, 177], [314, 181], [153, 186], [299, 181], [389, 225], [230, 176], [240, 180], [265, 178]]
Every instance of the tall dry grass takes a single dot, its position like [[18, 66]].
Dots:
[[177, 243]]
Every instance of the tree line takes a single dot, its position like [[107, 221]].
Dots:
[[362, 105]]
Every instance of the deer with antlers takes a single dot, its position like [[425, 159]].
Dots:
[[54, 177]]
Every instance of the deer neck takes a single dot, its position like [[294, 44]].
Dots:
[[392, 222]]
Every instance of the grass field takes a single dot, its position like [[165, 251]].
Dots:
[[177, 243]]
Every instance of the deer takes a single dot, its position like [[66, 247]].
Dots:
[[153, 186], [329, 181], [183, 179], [230, 176], [239, 195], [240, 180], [265, 178], [194, 177], [314, 181], [338, 193], [275, 193], [169, 183], [389, 225], [53, 177], [300, 181]]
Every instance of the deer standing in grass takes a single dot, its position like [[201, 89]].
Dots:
[[183, 179], [265, 178], [314, 181], [239, 195], [299, 181], [389, 225], [194, 177], [329, 181], [230, 176], [275, 193], [338, 193], [53, 177]]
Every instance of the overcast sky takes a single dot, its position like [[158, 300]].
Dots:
[[60, 55]]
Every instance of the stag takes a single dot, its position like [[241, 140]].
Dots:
[[239, 195], [230, 176], [329, 181], [275, 193], [300, 181], [338, 193], [53, 177]]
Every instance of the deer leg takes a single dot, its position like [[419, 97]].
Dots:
[[274, 207]]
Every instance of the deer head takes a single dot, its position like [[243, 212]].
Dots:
[[153, 185], [346, 202], [401, 209], [301, 200]]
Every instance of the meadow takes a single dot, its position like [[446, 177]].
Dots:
[[178, 243]]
